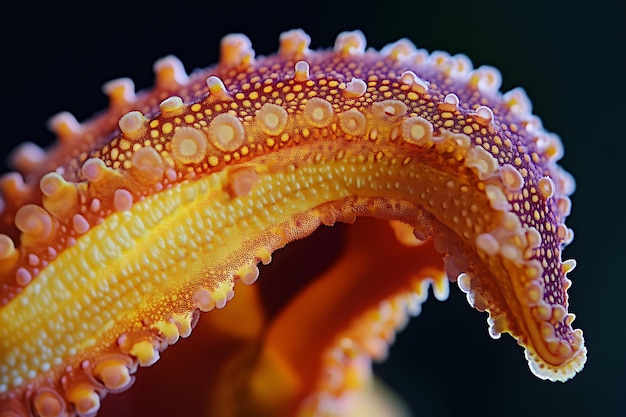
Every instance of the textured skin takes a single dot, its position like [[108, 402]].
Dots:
[[113, 239]]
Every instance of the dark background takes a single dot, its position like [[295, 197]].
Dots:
[[568, 57]]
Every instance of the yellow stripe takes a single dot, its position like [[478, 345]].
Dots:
[[134, 260]]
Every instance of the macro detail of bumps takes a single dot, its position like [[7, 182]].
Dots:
[[116, 239]]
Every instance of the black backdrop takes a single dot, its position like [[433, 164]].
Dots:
[[568, 57]]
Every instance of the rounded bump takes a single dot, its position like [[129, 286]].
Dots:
[[168, 331], [488, 243], [486, 79], [302, 69], [248, 275], [553, 149], [94, 169], [356, 87], [558, 314], [399, 50], [133, 124], [236, 51], [533, 237], [482, 161], [546, 187], [52, 183], [464, 281], [272, 119], [170, 72], [352, 122], [389, 109], [226, 132], [294, 43], [7, 247], [217, 90], [183, 323], [171, 105], [13, 186], [65, 126], [565, 182], [23, 277], [318, 112], [27, 157], [48, 403], [518, 102], [121, 92], [533, 293], [417, 84], [34, 220], [147, 166], [113, 373], [145, 353], [484, 115], [568, 266], [85, 399], [242, 180], [440, 60], [416, 130], [350, 43], [122, 200], [496, 198], [189, 145], [450, 103], [534, 269], [511, 177], [460, 67], [203, 300], [80, 224], [60, 197]]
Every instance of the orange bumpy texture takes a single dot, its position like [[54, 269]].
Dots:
[[116, 237]]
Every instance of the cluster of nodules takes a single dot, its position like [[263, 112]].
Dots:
[[520, 244], [521, 199], [206, 299], [225, 132], [65, 213], [346, 364], [515, 243], [75, 394], [64, 209], [69, 210], [188, 145], [79, 391]]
